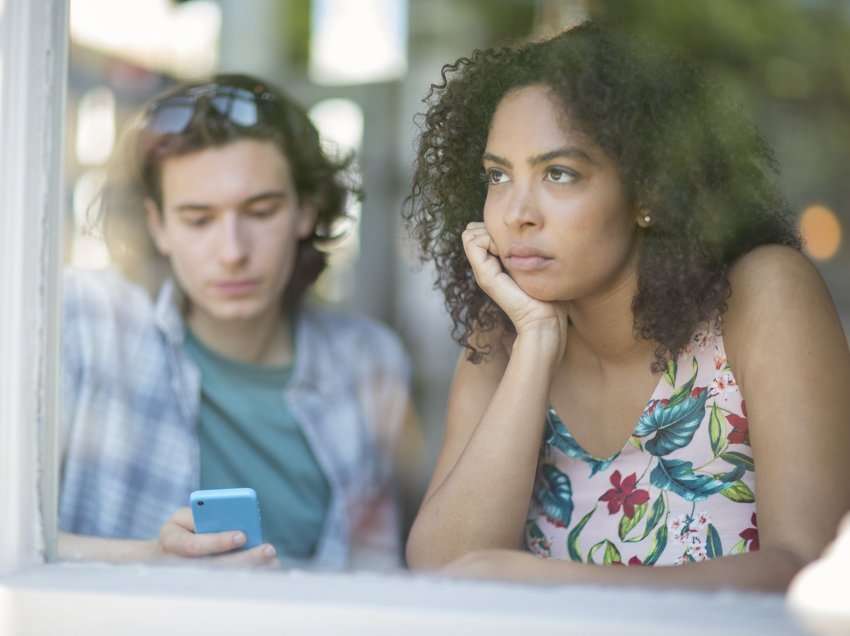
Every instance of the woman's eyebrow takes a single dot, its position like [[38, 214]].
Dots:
[[568, 152], [489, 156]]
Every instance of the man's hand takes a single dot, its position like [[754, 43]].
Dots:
[[177, 539]]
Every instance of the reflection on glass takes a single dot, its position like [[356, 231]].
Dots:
[[358, 42], [95, 126], [154, 33]]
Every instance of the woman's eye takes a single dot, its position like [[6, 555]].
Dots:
[[560, 175], [495, 177]]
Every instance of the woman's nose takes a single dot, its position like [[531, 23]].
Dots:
[[522, 210]]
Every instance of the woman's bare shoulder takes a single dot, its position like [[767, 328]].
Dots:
[[778, 302]]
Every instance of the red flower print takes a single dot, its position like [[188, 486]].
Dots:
[[751, 535], [624, 494], [741, 427], [632, 561]]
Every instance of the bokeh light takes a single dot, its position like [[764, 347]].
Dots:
[[821, 232]]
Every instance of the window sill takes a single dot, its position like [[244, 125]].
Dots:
[[98, 599]]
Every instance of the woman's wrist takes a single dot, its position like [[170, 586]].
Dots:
[[545, 344]]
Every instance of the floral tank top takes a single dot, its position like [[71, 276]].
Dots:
[[682, 489]]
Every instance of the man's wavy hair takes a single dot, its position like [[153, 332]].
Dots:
[[135, 175], [685, 155]]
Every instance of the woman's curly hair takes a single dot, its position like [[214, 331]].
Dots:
[[685, 155], [135, 175]]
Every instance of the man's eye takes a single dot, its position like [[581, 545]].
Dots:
[[560, 175], [196, 221], [262, 212], [495, 176]]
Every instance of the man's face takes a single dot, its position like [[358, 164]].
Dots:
[[230, 224]]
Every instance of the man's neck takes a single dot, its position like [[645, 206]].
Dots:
[[264, 340]]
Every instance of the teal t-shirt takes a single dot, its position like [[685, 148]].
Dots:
[[249, 439]]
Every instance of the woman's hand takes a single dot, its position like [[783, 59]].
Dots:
[[501, 565], [527, 314], [177, 538]]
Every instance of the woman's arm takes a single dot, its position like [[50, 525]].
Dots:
[[481, 488], [787, 349], [769, 569]]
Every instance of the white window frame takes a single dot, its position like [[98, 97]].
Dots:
[[40, 597], [33, 70]]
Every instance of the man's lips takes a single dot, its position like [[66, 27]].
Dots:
[[235, 287]]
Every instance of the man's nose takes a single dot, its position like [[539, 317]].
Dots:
[[234, 246]]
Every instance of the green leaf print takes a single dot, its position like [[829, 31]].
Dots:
[[559, 437], [739, 548], [593, 550], [739, 492], [684, 391], [713, 546], [554, 492], [627, 525], [658, 545], [679, 477], [670, 372], [733, 475], [573, 548], [536, 541], [716, 430], [674, 425], [658, 510], [739, 459], [611, 554]]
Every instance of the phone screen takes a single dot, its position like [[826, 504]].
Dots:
[[228, 510]]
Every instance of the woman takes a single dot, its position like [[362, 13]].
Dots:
[[645, 344], [227, 378]]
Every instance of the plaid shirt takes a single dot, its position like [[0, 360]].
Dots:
[[130, 450]]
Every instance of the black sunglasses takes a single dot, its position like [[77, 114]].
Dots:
[[240, 106]]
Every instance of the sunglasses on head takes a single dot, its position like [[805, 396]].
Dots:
[[240, 106]]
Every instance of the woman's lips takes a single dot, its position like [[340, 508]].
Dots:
[[526, 259], [527, 263]]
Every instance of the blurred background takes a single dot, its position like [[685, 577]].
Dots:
[[362, 68]]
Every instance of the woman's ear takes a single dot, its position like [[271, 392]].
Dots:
[[156, 226], [643, 218]]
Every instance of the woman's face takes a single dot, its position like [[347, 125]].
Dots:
[[230, 224], [556, 206]]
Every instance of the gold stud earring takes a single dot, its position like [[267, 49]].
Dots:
[[647, 219]]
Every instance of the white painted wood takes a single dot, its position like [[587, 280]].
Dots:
[[33, 58], [143, 600]]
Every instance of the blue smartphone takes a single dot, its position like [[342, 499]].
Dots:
[[227, 510]]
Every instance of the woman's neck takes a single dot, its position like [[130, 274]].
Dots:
[[602, 326], [265, 340]]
